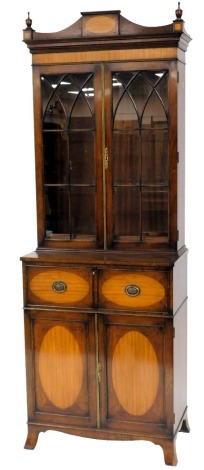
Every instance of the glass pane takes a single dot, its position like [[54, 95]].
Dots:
[[54, 117], [53, 101], [155, 212], [123, 78], [83, 212], [154, 157], [55, 146], [69, 155], [139, 90], [126, 158], [57, 210], [71, 213], [153, 77], [126, 115], [120, 82], [155, 110], [127, 211], [162, 88], [154, 113], [48, 85], [124, 106], [81, 154], [82, 110], [68, 99], [140, 154]]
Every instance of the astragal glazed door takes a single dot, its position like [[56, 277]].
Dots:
[[105, 158]]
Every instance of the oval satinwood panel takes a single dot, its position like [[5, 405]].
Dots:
[[60, 367], [100, 24], [149, 290], [43, 285], [135, 373]]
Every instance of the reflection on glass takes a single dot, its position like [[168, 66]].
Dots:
[[127, 212], [154, 213], [81, 145], [57, 210], [69, 160], [126, 170], [55, 145], [140, 154], [154, 148], [81, 114], [83, 212], [70, 212]]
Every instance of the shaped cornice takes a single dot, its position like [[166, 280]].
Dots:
[[94, 30]]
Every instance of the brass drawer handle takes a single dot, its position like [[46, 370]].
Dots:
[[59, 286], [132, 290]]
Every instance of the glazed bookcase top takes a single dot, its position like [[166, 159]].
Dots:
[[109, 133]]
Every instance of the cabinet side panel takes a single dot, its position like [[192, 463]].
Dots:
[[180, 282], [181, 154], [180, 363], [29, 365]]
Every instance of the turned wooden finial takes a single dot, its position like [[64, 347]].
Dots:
[[179, 12], [28, 21], [28, 31]]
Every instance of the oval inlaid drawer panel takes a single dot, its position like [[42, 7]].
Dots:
[[59, 286], [133, 290]]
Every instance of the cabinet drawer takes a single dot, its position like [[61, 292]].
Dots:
[[133, 290], [59, 286]]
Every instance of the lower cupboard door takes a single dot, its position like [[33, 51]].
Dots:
[[136, 386], [64, 370]]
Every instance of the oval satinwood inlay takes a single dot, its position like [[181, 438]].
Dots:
[[60, 367], [100, 24], [75, 288], [149, 290], [135, 373]]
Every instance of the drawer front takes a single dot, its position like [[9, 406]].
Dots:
[[59, 286], [133, 290]]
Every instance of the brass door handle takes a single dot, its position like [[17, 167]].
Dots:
[[99, 372], [132, 290], [59, 286], [106, 158]]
